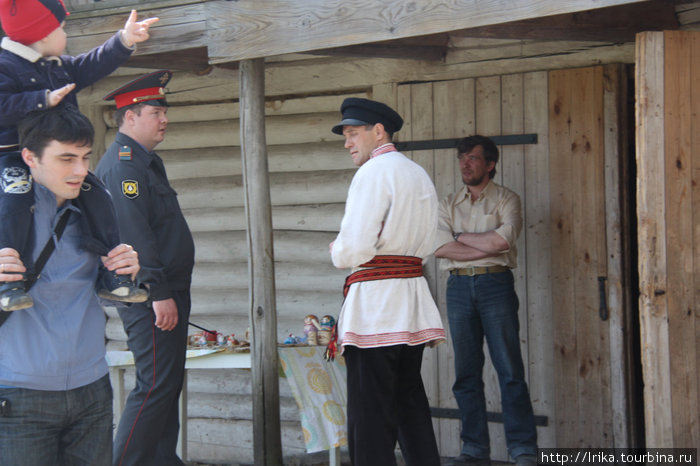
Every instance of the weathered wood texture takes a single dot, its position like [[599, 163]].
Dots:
[[668, 157], [267, 444], [271, 28], [620, 275], [579, 257]]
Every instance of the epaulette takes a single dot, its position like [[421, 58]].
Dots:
[[124, 153]]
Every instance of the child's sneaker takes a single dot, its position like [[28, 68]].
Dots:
[[13, 297], [116, 287]]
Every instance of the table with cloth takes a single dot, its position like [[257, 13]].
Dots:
[[318, 386]]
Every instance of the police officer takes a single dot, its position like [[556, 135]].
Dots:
[[152, 221]]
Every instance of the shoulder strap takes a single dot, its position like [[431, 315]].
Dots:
[[43, 257], [48, 249]]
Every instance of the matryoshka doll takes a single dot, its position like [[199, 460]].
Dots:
[[326, 330], [311, 328]]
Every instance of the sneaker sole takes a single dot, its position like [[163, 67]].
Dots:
[[17, 304], [136, 297]]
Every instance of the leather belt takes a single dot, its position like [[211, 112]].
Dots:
[[471, 271]]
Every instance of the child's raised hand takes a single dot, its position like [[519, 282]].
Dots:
[[135, 32], [57, 95]]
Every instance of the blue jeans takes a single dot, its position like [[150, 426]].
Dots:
[[72, 427], [487, 306]]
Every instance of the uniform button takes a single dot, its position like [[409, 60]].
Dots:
[[33, 80], [40, 105]]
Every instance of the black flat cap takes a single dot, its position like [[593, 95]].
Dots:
[[149, 89], [358, 112]]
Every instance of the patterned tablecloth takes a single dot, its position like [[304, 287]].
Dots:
[[319, 388]]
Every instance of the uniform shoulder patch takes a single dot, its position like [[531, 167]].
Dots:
[[130, 188], [16, 180], [125, 153]]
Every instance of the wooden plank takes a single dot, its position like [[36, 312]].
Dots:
[[263, 316], [289, 276], [679, 227], [287, 189], [589, 241], [616, 24], [615, 121], [562, 251], [273, 28], [288, 129], [163, 39], [310, 217], [289, 246], [538, 259], [695, 163], [231, 110], [226, 160], [488, 122], [421, 127], [651, 216], [583, 161], [512, 163], [96, 21], [453, 108]]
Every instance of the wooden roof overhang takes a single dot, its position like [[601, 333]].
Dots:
[[195, 34]]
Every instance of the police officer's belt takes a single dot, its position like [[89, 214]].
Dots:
[[471, 271]]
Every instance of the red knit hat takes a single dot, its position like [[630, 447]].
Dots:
[[29, 21]]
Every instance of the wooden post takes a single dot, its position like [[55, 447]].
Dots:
[[267, 444]]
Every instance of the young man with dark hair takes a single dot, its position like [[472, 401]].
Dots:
[[55, 394]]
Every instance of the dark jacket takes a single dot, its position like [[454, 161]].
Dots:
[[150, 218], [23, 82]]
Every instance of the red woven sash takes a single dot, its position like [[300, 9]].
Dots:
[[383, 267]]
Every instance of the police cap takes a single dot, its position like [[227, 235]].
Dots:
[[358, 112], [148, 89]]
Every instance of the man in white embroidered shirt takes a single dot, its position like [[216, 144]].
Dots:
[[388, 315]]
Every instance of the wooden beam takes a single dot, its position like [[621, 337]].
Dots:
[[652, 239], [398, 51], [195, 60], [248, 28], [267, 443], [614, 24]]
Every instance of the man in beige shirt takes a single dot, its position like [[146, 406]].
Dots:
[[477, 230]]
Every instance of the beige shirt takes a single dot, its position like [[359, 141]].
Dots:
[[497, 208]]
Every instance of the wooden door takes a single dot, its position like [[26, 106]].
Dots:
[[569, 184], [590, 368]]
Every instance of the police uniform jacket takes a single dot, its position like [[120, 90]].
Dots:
[[25, 76], [150, 218]]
